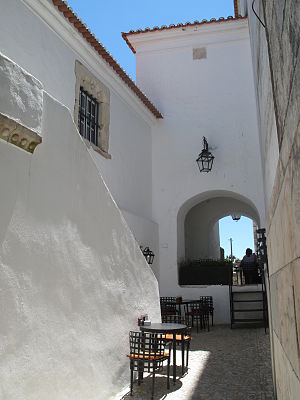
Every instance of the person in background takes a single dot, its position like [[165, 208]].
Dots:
[[249, 267]]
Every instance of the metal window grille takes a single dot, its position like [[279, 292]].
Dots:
[[88, 117]]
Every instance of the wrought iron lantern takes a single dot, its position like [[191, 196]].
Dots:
[[149, 255], [205, 159], [262, 245], [236, 217]]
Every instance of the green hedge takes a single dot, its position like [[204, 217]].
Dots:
[[204, 272]]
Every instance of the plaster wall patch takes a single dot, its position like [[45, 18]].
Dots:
[[199, 53]]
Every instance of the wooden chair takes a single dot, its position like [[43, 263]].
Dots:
[[177, 319], [147, 354]]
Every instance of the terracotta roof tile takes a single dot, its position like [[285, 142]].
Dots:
[[99, 48], [180, 25]]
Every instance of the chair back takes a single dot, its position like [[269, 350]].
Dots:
[[146, 348], [168, 305], [177, 319], [199, 307], [167, 300], [207, 300], [173, 319]]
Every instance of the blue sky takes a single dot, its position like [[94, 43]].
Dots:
[[107, 19], [241, 233]]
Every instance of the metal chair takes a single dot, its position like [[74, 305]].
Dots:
[[198, 312], [209, 300], [168, 306], [187, 337], [147, 354]]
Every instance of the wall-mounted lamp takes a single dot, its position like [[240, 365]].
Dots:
[[205, 159], [149, 255], [236, 216]]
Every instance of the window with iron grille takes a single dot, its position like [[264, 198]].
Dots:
[[92, 110], [88, 116]]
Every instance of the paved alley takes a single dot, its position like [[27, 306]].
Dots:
[[224, 364]]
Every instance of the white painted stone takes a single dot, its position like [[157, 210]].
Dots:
[[139, 168], [281, 183], [288, 385], [287, 317], [72, 278], [296, 284], [146, 235], [265, 105], [21, 95], [199, 99], [282, 240], [38, 39], [220, 296]]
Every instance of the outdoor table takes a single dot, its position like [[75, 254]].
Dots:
[[165, 328], [182, 302], [187, 303]]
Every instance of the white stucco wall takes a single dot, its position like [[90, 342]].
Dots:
[[220, 296], [212, 97], [146, 235], [201, 237], [72, 278], [38, 38]]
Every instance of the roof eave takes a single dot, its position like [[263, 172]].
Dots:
[[204, 22], [99, 48]]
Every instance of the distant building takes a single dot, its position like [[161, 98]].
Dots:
[[222, 255]]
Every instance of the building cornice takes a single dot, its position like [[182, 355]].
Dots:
[[191, 37], [178, 30]]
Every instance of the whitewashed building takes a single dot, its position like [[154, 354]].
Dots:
[[200, 77], [92, 166]]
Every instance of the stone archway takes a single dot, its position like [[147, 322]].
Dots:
[[197, 222]]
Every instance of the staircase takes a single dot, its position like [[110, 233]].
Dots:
[[248, 305]]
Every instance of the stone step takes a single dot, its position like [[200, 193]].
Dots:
[[247, 291], [237, 320], [247, 296], [248, 301], [248, 310]]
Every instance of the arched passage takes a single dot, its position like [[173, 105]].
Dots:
[[197, 222]]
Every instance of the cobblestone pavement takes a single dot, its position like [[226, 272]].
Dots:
[[224, 364]]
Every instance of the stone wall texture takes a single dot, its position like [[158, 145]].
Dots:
[[21, 111], [275, 54]]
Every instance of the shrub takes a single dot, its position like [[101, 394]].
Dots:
[[204, 272]]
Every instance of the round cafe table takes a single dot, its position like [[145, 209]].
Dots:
[[171, 328]]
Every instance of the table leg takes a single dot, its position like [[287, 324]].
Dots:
[[140, 374], [141, 370], [182, 354], [174, 358]]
